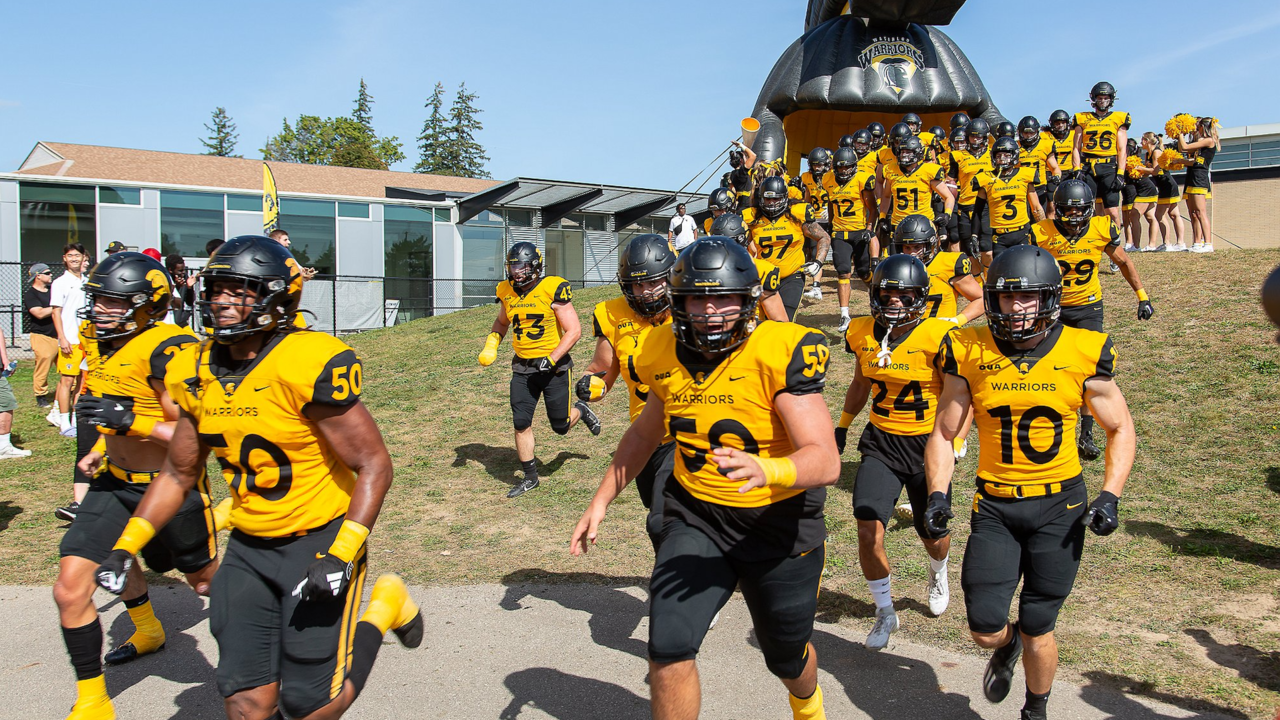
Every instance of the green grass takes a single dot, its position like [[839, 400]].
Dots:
[[1181, 604]]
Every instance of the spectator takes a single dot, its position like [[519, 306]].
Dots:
[[282, 236], [114, 247], [212, 246], [66, 298], [8, 403], [44, 339], [682, 231], [182, 301]]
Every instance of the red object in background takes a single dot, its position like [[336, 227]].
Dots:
[[152, 253]]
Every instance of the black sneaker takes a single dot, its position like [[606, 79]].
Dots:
[[67, 512], [1088, 450], [998, 677], [588, 417], [43, 401], [1034, 715], [126, 653], [527, 484]]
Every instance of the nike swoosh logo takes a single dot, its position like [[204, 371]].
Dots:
[[1061, 367], [126, 364], [264, 387], [909, 352], [1073, 507], [736, 378]]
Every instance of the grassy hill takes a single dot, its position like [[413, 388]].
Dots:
[[1180, 604]]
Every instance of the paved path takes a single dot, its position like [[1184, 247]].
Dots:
[[570, 652]]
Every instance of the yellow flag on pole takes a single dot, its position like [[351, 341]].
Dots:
[[270, 202]]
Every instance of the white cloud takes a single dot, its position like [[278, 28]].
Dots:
[[10, 103]]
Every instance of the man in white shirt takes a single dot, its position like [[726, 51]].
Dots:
[[66, 297], [682, 231]]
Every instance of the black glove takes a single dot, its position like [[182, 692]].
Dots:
[[941, 223], [842, 436], [326, 579], [583, 387], [1103, 516], [113, 571], [974, 248], [1145, 310], [544, 366], [105, 413], [1117, 182], [936, 515]]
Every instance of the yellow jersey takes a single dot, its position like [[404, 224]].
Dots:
[[780, 241], [944, 268], [965, 166], [626, 329], [1062, 150], [125, 374], [283, 476], [905, 392], [912, 193], [1037, 158], [869, 162], [1025, 402], [731, 404], [1078, 259], [535, 329], [1007, 197], [1101, 134], [848, 210], [885, 155]]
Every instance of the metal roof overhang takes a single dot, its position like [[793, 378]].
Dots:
[[557, 199]]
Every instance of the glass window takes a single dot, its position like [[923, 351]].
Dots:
[[596, 223], [1265, 144], [56, 192], [52, 215], [247, 203], [119, 195], [408, 234], [188, 221], [353, 210], [312, 232], [564, 254], [483, 256], [520, 218], [486, 217], [442, 215]]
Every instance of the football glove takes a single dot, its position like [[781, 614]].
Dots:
[[1117, 182], [811, 269], [936, 516], [941, 223], [590, 387], [1103, 516], [1145, 310], [544, 366], [842, 437], [974, 249], [490, 352], [328, 577], [112, 417], [114, 571]]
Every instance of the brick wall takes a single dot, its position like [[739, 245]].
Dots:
[[1235, 211]]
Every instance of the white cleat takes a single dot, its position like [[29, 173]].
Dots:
[[886, 625], [714, 620], [939, 593], [904, 513], [53, 417], [813, 293], [844, 325]]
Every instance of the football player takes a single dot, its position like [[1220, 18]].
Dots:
[[539, 311], [755, 453], [1010, 192], [1037, 154], [810, 185], [1026, 374], [1101, 145], [778, 229], [1078, 241], [877, 135], [307, 468], [127, 349], [1004, 128], [742, 175], [771, 308], [867, 160], [719, 202], [965, 165], [958, 142], [908, 185], [851, 197], [959, 120], [895, 349]]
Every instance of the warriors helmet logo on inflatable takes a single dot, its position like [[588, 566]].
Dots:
[[861, 61]]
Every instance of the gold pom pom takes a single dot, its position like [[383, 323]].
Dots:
[[1180, 124], [1167, 158], [1131, 165]]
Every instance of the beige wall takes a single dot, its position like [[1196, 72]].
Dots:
[[1234, 211]]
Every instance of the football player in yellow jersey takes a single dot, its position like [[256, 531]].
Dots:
[[1078, 241], [1037, 154], [1025, 374], [937, 144], [127, 349], [950, 273], [778, 230], [878, 135], [860, 141], [307, 469], [755, 452], [907, 187], [810, 185], [851, 197], [1010, 192], [894, 349], [965, 165], [741, 178], [958, 143], [539, 311], [730, 225], [719, 202], [1100, 147], [621, 326]]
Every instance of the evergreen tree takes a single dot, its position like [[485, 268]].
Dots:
[[363, 113], [434, 138], [222, 135], [466, 156]]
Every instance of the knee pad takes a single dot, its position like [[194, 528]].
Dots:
[[560, 426], [522, 424], [787, 660], [1038, 614]]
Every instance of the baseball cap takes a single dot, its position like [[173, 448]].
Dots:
[[37, 269], [115, 246]]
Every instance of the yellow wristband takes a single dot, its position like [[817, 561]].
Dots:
[[846, 419], [1142, 296], [100, 446], [142, 426], [137, 533], [778, 472], [350, 537], [961, 320]]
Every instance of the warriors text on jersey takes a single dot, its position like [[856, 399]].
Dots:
[[283, 477], [780, 241], [1101, 135], [905, 392], [124, 374], [1007, 197], [911, 193], [944, 268], [1025, 402], [965, 166], [731, 404], [1078, 259], [1037, 158], [626, 330], [848, 210], [534, 327]]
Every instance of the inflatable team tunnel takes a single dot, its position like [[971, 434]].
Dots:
[[861, 61]]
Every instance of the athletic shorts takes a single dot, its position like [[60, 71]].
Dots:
[[267, 635], [70, 364], [1037, 540], [1103, 174], [1084, 317], [651, 483], [790, 290], [693, 579], [1003, 240], [526, 388], [8, 402], [187, 543], [852, 250], [1167, 189]]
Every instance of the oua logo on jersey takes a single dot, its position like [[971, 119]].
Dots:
[[896, 60]]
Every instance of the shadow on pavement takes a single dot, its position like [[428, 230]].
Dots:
[[502, 463], [569, 697], [1205, 542], [1257, 666], [613, 615], [1110, 694]]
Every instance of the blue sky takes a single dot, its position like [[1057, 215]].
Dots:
[[629, 93]]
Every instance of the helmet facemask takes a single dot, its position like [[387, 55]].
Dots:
[[140, 311], [1028, 138], [265, 312], [774, 204], [713, 333], [1003, 160], [1074, 217], [908, 157], [977, 143], [844, 172], [1026, 325], [907, 310], [651, 302], [1102, 102], [1059, 128]]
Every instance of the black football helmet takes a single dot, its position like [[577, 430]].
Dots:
[[259, 264], [897, 134], [1073, 205], [916, 236], [1004, 154], [720, 199], [862, 142], [524, 265], [1004, 128], [913, 122], [773, 197], [960, 138], [1102, 96], [877, 135], [959, 120], [979, 133], [646, 258], [730, 225], [819, 162], [846, 164], [937, 132], [846, 141], [713, 265], [1023, 268], [138, 280], [1028, 132], [1059, 124], [1131, 147], [899, 272], [910, 152]]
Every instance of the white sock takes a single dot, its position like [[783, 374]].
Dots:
[[938, 565], [4, 442], [54, 409], [65, 419], [844, 312], [880, 592]]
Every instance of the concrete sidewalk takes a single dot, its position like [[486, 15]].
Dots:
[[571, 652]]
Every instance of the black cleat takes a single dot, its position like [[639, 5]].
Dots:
[[1034, 715], [998, 677], [410, 634], [1088, 450], [588, 417], [124, 654], [527, 484], [67, 512]]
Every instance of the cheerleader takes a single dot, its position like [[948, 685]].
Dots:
[[1200, 149], [1168, 195], [1141, 172]]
